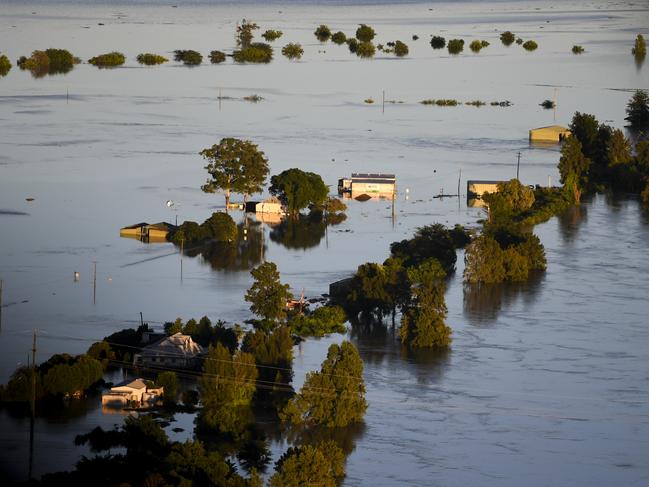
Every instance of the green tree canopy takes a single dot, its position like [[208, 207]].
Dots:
[[323, 33], [334, 396], [169, 381], [245, 33], [574, 167], [267, 295], [298, 189], [637, 110], [584, 127], [511, 198], [235, 166], [227, 387], [365, 33], [293, 51], [321, 465], [435, 241]]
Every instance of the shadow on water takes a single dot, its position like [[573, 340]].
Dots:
[[304, 232], [483, 302]]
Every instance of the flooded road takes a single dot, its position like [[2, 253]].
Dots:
[[545, 384]]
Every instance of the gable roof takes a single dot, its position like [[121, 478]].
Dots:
[[178, 344], [133, 384]]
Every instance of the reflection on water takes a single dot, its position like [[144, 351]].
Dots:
[[304, 232], [483, 302], [570, 221]]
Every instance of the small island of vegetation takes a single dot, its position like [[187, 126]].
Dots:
[[151, 59], [108, 60]]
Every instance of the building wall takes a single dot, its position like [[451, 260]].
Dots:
[[547, 134], [372, 188]]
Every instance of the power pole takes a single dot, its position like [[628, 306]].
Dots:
[[1, 282], [141, 319], [182, 248], [94, 282], [458, 183], [518, 165], [33, 398], [383, 109]]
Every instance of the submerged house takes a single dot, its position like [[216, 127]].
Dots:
[[175, 351], [131, 393], [476, 188], [373, 184], [550, 134], [271, 205], [148, 232]]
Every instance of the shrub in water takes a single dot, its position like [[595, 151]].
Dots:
[[352, 43], [640, 48], [530, 45], [455, 46], [257, 52], [577, 49], [547, 104], [365, 33], [437, 42], [5, 65], [415, 37], [339, 37], [272, 35], [507, 38], [365, 50], [107, 60], [293, 51], [323, 33], [151, 59], [475, 46], [400, 49], [189, 57], [217, 57]]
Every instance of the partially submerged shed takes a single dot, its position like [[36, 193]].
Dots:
[[551, 133], [148, 232], [476, 188], [376, 184]]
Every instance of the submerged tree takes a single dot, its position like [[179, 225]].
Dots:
[[640, 48], [267, 295], [235, 166], [321, 465], [244, 33], [292, 51], [637, 110], [298, 189], [334, 396], [573, 168], [507, 38], [365, 33], [423, 321], [323, 33]]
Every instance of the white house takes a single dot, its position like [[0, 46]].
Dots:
[[131, 393], [175, 351]]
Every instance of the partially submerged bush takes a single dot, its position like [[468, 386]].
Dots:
[[577, 49], [475, 103], [441, 103], [293, 51], [257, 52], [272, 35], [151, 59], [108, 60], [505, 103], [339, 38], [5, 65], [640, 48], [365, 33], [253, 98], [188, 57], [519, 41], [366, 50], [455, 46], [49, 61], [475, 46], [547, 104], [369, 101], [323, 33], [415, 37], [352, 43], [437, 42], [400, 49], [530, 45], [507, 38], [217, 57]]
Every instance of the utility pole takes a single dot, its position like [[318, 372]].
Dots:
[[33, 398], [141, 319], [94, 282], [383, 106], [219, 99], [182, 248], [518, 165], [458, 183], [1, 282]]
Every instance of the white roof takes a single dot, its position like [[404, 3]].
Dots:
[[177, 344]]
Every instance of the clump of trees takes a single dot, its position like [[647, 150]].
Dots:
[[437, 42], [169, 381], [639, 50], [220, 227], [400, 49], [423, 320], [441, 102], [333, 396], [257, 52], [235, 166], [577, 49], [365, 33], [150, 59], [530, 45], [322, 321], [108, 60], [49, 61], [297, 189], [637, 110], [272, 35], [204, 333], [339, 38], [245, 33], [455, 46], [507, 38], [217, 57], [352, 44], [322, 464], [293, 51], [475, 103], [188, 57], [323, 33], [5, 65], [547, 104]]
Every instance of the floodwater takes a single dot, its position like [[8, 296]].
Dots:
[[546, 383]]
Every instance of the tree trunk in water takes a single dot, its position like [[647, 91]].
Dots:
[[227, 200]]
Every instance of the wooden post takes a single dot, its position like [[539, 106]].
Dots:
[[182, 249], [383, 109], [1, 282], [94, 282], [33, 398], [518, 165], [141, 319]]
